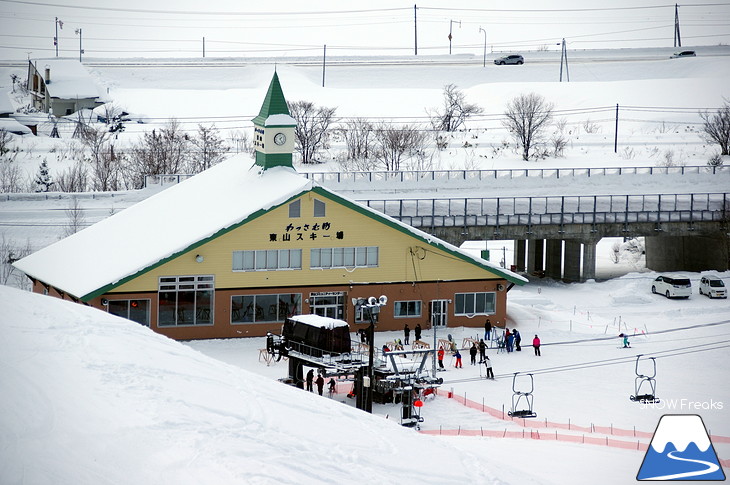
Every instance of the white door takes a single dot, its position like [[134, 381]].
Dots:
[[439, 312]]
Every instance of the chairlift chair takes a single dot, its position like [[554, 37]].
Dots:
[[522, 400], [645, 382]]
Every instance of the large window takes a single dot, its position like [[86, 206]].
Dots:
[[265, 308], [320, 208], [135, 310], [407, 309], [295, 208], [186, 300], [267, 259], [362, 257], [470, 304]]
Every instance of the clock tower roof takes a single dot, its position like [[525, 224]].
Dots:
[[274, 109]]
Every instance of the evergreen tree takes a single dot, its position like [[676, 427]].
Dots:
[[43, 182]]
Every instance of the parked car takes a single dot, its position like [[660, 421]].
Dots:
[[712, 286], [672, 286], [510, 59], [682, 54]]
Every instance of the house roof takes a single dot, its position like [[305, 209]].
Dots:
[[183, 217], [69, 79], [6, 106], [274, 107]]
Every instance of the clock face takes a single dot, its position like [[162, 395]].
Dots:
[[280, 138]]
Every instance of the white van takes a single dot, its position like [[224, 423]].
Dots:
[[672, 286], [712, 286]]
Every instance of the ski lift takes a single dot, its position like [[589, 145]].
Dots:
[[522, 400], [647, 383]]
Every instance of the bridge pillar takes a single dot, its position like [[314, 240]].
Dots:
[[589, 260], [571, 269], [554, 258], [519, 255], [687, 253], [535, 250]]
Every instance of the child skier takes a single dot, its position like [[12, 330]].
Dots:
[[488, 364]]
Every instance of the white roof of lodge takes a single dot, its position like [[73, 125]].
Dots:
[[318, 321], [178, 219], [69, 79]]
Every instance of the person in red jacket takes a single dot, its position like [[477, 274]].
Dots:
[[441, 357], [536, 345]]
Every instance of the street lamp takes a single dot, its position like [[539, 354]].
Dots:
[[81, 51], [372, 307], [451, 23], [59, 23], [484, 62]]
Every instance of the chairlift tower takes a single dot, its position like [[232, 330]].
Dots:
[[522, 399], [645, 382]]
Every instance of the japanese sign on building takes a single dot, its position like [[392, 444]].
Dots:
[[300, 231]]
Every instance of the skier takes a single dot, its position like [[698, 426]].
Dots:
[[441, 357], [310, 379], [627, 345], [418, 331], [458, 359], [332, 386], [536, 345], [487, 330], [482, 350], [509, 339], [488, 364], [473, 353], [406, 333], [518, 340], [320, 384]]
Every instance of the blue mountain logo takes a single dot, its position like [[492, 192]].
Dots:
[[681, 450]]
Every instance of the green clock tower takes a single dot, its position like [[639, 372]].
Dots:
[[274, 129]]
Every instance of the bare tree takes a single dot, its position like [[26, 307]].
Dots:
[[716, 127], [11, 175], [74, 179], [396, 144], [527, 116], [10, 252], [75, 217], [455, 110], [209, 149], [358, 134], [159, 152], [312, 131], [105, 166]]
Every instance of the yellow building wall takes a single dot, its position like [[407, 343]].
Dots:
[[402, 258]]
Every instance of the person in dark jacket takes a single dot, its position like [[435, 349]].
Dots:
[[473, 354], [320, 384], [518, 339], [482, 350], [310, 380], [406, 333], [487, 330], [418, 331]]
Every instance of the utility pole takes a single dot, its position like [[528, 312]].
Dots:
[[484, 60], [415, 30], [324, 63], [615, 135], [451, 23], [59, 23], [203, 47], [564, 56], [81, 51], [677, 38]]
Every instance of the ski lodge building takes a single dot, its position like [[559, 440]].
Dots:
[[236, 249]]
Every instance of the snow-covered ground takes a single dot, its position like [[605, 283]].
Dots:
[[88, 398]]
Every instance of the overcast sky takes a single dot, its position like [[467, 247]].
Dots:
[[285, 28]]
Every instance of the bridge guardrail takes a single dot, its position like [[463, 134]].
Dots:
[[587, 209], [436, 175]]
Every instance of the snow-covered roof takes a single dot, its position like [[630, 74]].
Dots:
[[280, 120], [12, 126], [182, 217], [161, 226], [69, 79], [318, 321]]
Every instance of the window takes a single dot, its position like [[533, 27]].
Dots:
[[295, 208], [265, 308], [186, 300], [407, 309], [267, 260], [362, 257], [135, 310], [319, 208], [471, 304]]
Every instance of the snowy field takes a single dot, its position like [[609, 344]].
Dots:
[[88, 398]]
